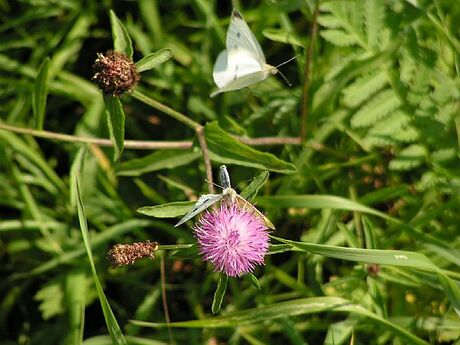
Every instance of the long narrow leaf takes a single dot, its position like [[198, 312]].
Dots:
[[220, 293], [297, 307], [41, 93], [112, 324], [152, 60], [116, 124], [384, 257], [121, 40]]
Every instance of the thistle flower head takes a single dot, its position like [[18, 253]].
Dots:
[[232, 238], [114, 73]]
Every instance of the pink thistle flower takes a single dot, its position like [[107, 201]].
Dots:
[[232, 238]]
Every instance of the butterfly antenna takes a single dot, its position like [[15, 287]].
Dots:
[[287, 61], [285, 79], [283, 63], [214, 184]]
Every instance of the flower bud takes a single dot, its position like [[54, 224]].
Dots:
[[114, 73], [125, 254]]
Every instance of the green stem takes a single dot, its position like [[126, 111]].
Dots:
[[167, 110]]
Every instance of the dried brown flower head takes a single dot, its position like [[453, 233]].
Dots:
[[114, 73], [125, 254]]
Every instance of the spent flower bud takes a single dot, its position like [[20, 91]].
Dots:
[[114, 73], [125, 254]]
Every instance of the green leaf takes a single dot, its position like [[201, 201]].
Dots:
[[40, 93], [408, 158], [253, 188], [170, 210], [164, 159], [153, 60], [76, 289], [112, 324], [336, 202], [364, 87], [121, 40], [51, 299], [339, 38], [116, 124], [74, 171], [313, 305], [220, 293], [375, 109], [374, 21], [384, 257], [223, 148], [375, 256], [253, 280], [318, 202], [452, 291], [282, 36]]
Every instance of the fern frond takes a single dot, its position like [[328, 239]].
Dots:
[[408, 158], [363, 88], [348, 17], [394, 129], [444, 155], [339, 37], [377, 108], [407, 66], [329, 21], [373, 20]]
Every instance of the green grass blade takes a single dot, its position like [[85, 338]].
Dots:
[[164, 159], [76, 289], [297, 307], [41, 93], [384, 257], [376, 256], [112, 324], [340, 203]]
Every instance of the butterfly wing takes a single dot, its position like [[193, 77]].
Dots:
[[203, 202], [239, 35], [237, 69], [246, 204]]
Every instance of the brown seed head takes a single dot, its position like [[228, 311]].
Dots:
[[114, 73], [125, 254]]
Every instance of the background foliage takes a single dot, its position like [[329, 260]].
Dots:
[[378, 169]]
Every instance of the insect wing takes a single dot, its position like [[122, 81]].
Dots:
[[203, 202], [239, 35], [237, 69], [246, 204]]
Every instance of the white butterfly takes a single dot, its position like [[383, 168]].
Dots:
[[207, 200], [243, 62]]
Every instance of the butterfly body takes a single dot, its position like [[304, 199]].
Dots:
[[228, 195], [243, 62]]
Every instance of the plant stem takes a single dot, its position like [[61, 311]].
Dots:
[[198, 128], [167, 110], [129, 144], [307, 75], [164, 297], [207, 161], [147, 144], [266, 141]]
